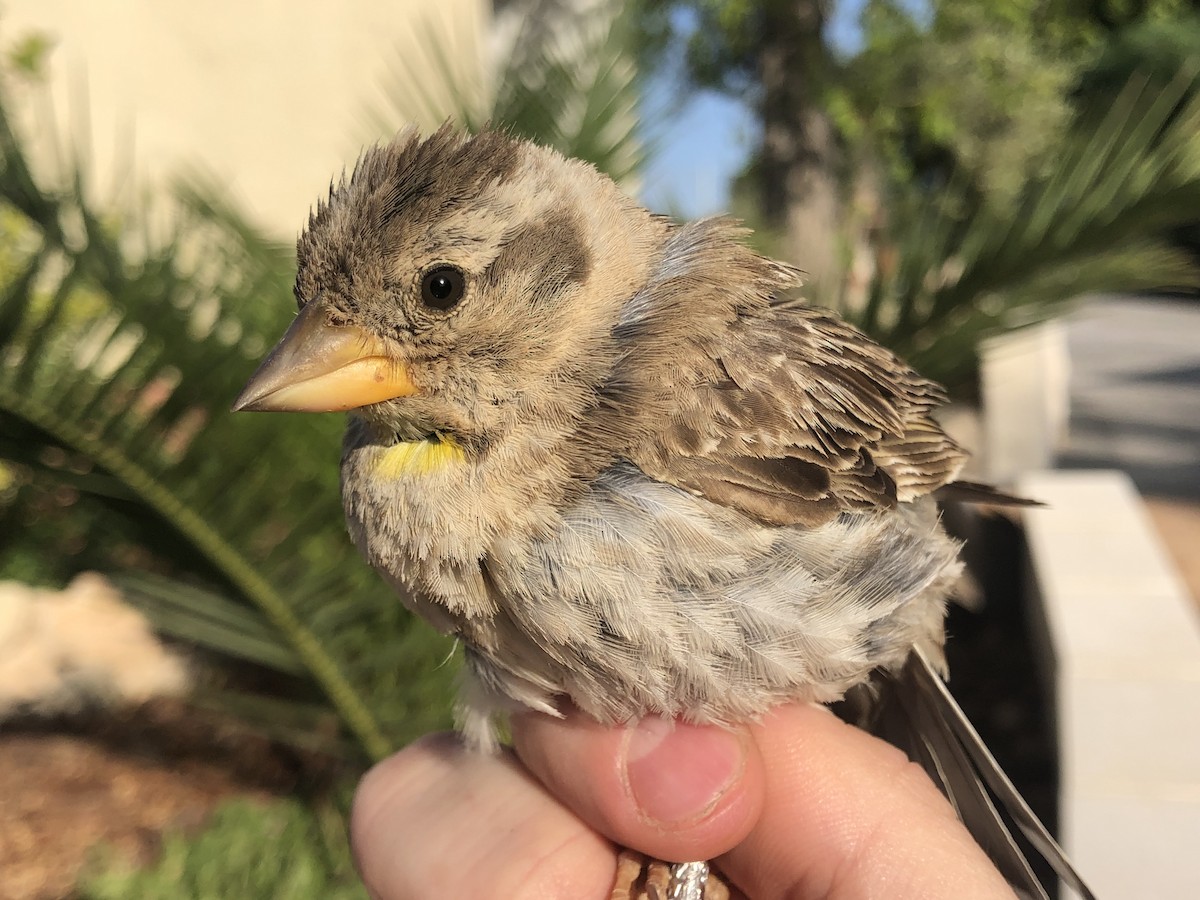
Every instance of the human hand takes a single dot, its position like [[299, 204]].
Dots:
[[800, 805]]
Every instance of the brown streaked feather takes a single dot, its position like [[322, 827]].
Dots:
[[777, 409], [778, 491]]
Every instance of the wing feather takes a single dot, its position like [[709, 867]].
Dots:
[[780, 410]]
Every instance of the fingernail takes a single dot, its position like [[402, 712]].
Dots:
[[677, 772]]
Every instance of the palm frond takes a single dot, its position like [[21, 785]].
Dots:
[[439, 71], [1096, 222], [205, 618], [577, 89], [572, 86]]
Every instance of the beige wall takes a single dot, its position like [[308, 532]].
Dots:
[[269, 95]]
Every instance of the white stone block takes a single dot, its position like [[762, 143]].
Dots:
[[1126, 657]]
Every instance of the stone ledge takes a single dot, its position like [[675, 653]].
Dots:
[[1123, 648]]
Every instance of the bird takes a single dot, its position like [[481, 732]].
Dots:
[[623, 462]]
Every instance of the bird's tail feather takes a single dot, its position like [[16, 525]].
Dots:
[[975, 492], [915, 711]]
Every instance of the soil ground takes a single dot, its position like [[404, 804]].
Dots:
[[121, 779]]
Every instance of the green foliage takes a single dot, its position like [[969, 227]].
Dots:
[[576, 90], [983, 89], [283, 849], [721, 50], [972, 92], [721, 39], [1095, 221], [1156, 49]]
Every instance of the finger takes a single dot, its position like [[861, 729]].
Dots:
[[436, 820], [675, 791], [849, 816]]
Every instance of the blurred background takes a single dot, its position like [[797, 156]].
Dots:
[[1005, 193]]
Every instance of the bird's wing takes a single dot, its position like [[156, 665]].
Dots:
[[807, 418], [780, 410]]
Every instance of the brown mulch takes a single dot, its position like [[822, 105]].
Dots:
[[120, 779]]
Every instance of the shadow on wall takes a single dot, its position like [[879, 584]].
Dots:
[[1168, 466], [1135, 392]]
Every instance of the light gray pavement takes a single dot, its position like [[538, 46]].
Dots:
[[1135, 392]]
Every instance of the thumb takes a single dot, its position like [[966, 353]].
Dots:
[[675, 791]]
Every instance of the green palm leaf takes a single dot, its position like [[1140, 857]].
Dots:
[[572, 86], [1096, 222]]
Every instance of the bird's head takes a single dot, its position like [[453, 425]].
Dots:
[[452, 279]]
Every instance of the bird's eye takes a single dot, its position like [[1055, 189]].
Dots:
[[443, 287]]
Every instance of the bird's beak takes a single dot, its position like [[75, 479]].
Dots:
[[318, 367]]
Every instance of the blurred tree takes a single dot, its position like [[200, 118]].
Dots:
[[1093, 22], [981, 91], [773, 54], [975, 91], [1157, 48], [961, 266], [970, 94]]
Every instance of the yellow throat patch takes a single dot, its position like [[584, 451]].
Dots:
[[419, 457]]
